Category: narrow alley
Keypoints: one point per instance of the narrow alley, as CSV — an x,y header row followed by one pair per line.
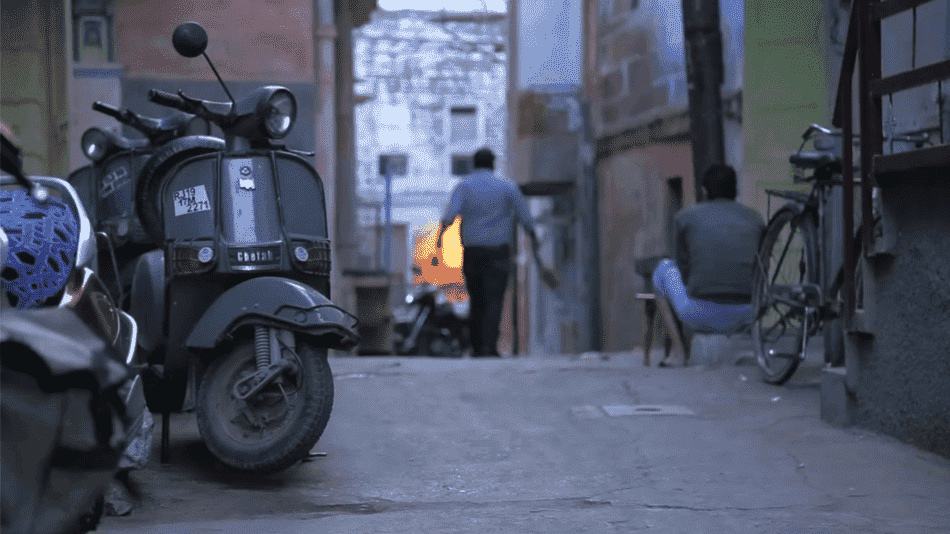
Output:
x,y
555,444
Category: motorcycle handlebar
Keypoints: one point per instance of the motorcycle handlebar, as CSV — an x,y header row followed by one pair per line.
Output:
x,y
171,100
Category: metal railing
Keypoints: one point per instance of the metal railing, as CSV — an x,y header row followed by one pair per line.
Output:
x,y
863,50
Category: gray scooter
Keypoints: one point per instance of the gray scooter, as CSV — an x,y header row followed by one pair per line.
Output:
x,y
236,304
108,184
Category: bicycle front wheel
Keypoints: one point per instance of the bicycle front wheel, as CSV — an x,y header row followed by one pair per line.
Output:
x,y
786,267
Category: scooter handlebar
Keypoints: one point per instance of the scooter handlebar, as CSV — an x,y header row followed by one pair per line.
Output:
x,y
106,109
171,100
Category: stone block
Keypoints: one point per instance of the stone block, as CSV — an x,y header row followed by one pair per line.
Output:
x,y
837,404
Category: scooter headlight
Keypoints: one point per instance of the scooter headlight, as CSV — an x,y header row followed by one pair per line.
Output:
x,y
280,111
96,144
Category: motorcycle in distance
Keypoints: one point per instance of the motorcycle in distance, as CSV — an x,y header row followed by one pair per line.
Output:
x,y
429,324
107,185
241,303
73,402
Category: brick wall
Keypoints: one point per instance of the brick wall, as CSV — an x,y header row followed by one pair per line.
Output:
x,y
247,39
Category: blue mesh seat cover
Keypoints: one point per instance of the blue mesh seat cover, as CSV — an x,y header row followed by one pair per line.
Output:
x,y
44,238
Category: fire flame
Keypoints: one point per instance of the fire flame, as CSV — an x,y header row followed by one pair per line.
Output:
x,y
440,267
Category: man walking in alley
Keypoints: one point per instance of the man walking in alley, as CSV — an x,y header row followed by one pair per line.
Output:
x,y
489,207
709,285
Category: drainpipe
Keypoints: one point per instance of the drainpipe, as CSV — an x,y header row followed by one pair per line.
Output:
x,y
325,43
704,77
346,206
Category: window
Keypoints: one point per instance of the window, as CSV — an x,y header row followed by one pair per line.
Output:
x,y
464,124
461,164
93,34
394,164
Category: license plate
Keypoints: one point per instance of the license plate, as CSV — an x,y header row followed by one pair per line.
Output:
x,y
191,200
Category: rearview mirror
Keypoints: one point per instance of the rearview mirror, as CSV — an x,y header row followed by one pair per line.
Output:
x,y
190,39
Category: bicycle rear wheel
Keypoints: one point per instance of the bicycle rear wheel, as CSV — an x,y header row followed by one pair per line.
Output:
x,y
786,269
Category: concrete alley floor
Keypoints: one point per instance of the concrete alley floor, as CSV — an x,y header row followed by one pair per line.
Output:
x,y
553,444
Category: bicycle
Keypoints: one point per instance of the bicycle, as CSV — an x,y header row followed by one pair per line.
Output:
x,y
795,296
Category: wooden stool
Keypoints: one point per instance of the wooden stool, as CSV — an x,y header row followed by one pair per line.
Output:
x,y
673,334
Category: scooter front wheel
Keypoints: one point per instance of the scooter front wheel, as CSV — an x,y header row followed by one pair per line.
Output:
x,y
274,428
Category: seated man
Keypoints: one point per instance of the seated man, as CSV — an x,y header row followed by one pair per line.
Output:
x,y
709,285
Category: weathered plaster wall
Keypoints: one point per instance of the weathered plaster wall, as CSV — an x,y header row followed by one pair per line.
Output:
x,y
633,212
786,87
640,121
901,376
33,82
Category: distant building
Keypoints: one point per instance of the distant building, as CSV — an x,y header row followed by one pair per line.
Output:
x,y
430,88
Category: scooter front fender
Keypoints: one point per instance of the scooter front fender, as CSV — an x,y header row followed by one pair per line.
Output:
x,y
278,302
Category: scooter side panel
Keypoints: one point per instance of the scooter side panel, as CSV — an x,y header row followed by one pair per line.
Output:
x,y
189,200
302,197
148,298
116,195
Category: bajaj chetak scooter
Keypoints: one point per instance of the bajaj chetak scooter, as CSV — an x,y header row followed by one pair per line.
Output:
x,y
242,296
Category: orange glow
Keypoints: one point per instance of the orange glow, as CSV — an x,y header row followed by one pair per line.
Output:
x,y
447,271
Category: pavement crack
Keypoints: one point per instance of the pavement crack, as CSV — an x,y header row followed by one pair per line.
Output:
x,y
712,508
380,506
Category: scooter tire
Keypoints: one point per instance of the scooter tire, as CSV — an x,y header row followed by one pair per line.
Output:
x,y
294,440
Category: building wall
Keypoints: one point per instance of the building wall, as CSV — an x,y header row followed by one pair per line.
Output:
x,y
897,365
639,107
787,87
898,376
33,84
635,210
247,39
412,68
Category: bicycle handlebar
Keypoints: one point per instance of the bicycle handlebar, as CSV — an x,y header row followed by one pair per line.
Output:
x,y
919,139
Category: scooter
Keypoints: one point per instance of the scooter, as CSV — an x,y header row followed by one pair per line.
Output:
x,y
107,185
430,324
62,331
236,304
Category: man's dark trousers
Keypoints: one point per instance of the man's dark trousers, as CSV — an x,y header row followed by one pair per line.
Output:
x,y
486,272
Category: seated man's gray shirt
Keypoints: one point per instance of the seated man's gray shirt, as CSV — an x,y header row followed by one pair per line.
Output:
x,y
489,207
716,244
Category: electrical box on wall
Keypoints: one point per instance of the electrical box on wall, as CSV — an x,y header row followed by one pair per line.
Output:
x,y
546,148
